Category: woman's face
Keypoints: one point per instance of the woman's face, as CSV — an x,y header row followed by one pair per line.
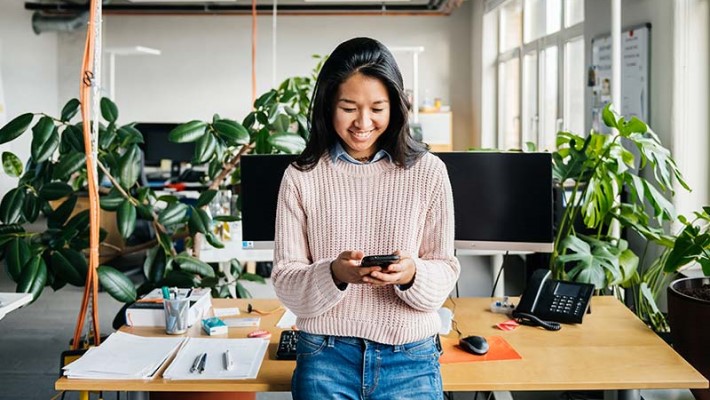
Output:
x,y
362,114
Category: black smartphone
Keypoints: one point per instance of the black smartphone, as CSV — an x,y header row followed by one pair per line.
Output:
x,y
381,260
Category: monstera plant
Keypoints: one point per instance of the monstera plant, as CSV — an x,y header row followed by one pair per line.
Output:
x,y
51,181
605,183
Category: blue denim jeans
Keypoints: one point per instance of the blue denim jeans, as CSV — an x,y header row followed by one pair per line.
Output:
x,y
334,367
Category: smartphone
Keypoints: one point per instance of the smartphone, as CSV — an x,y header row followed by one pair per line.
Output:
x,y
381,260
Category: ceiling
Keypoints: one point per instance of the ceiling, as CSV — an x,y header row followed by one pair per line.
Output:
x,y
245,6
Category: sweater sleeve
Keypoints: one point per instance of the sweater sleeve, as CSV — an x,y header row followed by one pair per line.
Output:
x,y
437,267
303,285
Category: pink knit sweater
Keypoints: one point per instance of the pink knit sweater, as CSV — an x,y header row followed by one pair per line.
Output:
x,y
377,208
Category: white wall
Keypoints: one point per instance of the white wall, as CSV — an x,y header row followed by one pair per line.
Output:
x,y
28,69
205,66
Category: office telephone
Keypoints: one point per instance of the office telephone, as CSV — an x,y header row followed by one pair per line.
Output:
x,y
546,302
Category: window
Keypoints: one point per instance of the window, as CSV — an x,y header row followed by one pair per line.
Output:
x,y
539,63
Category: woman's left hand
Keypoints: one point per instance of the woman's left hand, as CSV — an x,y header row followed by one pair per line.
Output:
x,y
400,273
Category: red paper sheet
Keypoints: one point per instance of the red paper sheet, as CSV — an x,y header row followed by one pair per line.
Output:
x,y
499,349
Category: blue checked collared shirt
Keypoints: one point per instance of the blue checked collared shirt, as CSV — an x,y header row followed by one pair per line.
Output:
x,y
338,152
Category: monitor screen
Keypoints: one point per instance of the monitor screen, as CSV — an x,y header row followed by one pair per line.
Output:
x,y
157,147
261,179
502,201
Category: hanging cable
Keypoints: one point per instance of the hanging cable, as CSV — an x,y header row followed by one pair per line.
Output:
x,y
90,73
253,51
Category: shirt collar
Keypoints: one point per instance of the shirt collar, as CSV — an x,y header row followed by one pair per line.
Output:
x,y
338,152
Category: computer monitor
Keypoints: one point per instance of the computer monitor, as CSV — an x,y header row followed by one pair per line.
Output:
x,y
260,182
157,147
502,201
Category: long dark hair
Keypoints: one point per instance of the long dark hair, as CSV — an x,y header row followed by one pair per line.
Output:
x,y
372,59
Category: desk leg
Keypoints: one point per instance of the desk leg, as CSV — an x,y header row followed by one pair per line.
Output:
x,y
497,264
632,394
137,395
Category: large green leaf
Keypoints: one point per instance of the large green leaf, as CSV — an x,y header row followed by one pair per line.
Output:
x,y
109,110
70,109
188,132
11,205
116,284
287,142
107,136
154,266
33,278
15,128
30,210
11,164
45,139
205,198
111,202
18,253
71,265
126,218
68,164
129,134
265,99
130,167
214,241
204,148
231,132
72,140
173,214
55,191
196,223
59,216
590,264
193,265
252,277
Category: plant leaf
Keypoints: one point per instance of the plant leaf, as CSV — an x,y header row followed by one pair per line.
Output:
x,y
205,198
68,164
232,132
71,265
173,214
15,128
204,148
126,218
188,132
30,210
70,109
130,166
154,266
287,142
34,277
11,164
193,265
108,109
213,241
55,191
45,139
18,253
11,205
116,284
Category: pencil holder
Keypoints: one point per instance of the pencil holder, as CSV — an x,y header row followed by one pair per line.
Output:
x,y
176,312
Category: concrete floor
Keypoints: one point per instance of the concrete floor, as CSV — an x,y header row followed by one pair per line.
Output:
x,y
32,338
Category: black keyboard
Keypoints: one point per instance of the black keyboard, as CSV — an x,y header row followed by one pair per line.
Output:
x,y
287,345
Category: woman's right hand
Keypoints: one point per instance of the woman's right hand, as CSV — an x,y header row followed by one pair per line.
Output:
x,y
346,268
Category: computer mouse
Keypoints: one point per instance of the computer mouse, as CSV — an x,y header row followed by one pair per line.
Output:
x,y
474,345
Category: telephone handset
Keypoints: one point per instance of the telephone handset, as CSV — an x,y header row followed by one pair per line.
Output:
x,y
546,302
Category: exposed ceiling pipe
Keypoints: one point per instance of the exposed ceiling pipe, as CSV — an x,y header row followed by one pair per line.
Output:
x,y
58,23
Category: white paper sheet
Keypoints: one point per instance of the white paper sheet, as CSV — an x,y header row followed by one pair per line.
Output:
x,y
287,321
247,355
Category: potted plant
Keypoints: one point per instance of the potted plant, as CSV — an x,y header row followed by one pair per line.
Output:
x,y
605,184
689,298
51,180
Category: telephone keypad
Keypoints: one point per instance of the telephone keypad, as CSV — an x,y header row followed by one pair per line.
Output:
x,y
566,305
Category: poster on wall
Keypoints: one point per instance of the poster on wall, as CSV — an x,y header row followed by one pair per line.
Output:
x,y
634,75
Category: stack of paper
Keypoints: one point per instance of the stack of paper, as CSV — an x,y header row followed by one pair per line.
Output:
x,y
246,355
124,356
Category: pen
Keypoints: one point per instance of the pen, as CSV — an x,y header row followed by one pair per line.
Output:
x,y
196,363
166,293
201,368
228,363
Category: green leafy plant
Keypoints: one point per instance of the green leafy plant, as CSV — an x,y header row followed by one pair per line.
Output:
x,y
51,181
593,172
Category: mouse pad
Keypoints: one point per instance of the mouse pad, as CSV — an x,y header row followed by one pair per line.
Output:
x,y
499,349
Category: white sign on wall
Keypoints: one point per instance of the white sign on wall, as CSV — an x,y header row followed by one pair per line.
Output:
x,y
634,75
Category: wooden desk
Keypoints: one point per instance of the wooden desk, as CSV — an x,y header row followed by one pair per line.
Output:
x,y
612,350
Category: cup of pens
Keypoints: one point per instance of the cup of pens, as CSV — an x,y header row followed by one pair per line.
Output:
x,y
176,311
